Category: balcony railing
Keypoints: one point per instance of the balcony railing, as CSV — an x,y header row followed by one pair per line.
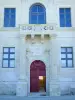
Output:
x,y
29,28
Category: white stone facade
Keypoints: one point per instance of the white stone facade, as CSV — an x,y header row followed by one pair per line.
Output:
x,y
37,44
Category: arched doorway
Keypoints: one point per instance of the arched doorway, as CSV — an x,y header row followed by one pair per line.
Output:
x,y
37,76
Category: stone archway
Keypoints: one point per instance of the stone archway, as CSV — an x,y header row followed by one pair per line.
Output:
x,y
37,76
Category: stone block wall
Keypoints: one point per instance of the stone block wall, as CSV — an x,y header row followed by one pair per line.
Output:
x,y
7,88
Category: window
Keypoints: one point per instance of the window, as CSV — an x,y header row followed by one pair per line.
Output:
x,y
9,17
67,57
37,14
65,17
8,57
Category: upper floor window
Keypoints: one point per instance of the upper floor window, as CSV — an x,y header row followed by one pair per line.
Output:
x,y
67,57
8,57
9,17
37,14
65,17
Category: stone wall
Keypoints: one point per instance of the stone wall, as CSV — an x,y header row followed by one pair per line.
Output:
x,y
7,88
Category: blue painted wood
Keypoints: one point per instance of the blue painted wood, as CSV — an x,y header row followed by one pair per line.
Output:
x,y
8,59
65,17
37,14
9,17
66,52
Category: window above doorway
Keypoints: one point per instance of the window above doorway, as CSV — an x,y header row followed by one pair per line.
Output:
x,y
37,14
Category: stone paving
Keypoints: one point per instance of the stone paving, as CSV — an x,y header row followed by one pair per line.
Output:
x,y
37,98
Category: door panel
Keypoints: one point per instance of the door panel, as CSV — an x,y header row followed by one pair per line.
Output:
x,y
37,69
34,85
33,73
42,73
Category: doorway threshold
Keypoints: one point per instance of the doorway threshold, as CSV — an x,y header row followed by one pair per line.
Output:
x,y
35,94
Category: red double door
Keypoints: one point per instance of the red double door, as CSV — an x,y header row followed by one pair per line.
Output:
x,y
37,69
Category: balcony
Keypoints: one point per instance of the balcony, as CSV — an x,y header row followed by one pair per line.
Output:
x,y
37,28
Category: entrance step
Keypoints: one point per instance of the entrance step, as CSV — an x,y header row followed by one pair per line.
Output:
x,y
37,94
37,98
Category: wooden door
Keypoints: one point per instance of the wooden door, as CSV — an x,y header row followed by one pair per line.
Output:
x,y
37,69
34,81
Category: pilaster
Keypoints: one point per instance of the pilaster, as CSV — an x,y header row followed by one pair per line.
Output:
x,y
54,67
22,81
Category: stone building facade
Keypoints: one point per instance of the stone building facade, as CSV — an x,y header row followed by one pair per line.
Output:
x,y
37,49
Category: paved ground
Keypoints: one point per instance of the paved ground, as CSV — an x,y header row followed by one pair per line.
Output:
x,y
37,98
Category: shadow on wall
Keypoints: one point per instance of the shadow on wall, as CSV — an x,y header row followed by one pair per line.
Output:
x,y
7,88
68,91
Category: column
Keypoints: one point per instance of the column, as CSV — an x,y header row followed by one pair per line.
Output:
x,y
54,67
42,38
22,81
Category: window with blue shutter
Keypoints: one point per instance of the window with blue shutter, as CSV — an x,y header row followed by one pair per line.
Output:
x,y
9,17
37,14
65,17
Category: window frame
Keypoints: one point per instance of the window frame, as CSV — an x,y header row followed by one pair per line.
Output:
x,y
8,59
31,13
11,15
65,19
67,59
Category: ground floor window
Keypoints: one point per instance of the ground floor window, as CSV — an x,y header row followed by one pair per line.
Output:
x,y
8,57
67,57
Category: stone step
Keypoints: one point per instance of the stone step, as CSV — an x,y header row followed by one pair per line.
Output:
x,y
37,98
37,94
